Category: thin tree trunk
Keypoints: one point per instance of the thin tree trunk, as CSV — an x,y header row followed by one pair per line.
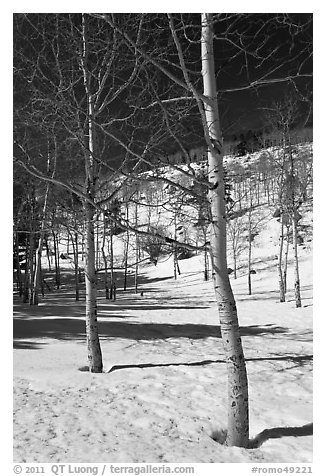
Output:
x,y
297,293
56,259
98,250
31,268
286,255
19,274
175,257
249,270
37,274
280,261
47,252
83,242
31,253
206,270
126,251
105,261
249,243
235,265
137,249
206,260
112,280
238,407
74,243
41,281
26,276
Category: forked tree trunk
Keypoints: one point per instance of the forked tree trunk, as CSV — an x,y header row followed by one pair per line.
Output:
x,y
238,407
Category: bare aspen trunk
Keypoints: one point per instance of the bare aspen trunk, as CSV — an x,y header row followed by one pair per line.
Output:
x,y
206,266
280,262
137,250
31,258
175,257
112,283
98,258
74,243
126,251
37,274
76,262
83,243
48,253
105,261
19,274
249,254
26,276
297,293
93,342
286,255
250,238
238,407
235,264
56,259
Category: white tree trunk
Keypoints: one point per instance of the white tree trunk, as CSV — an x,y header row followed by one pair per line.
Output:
x,y
37,273
93,342
238,411
136,248
297,293
280,261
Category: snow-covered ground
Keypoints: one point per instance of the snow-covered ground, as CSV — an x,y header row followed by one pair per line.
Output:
x,y
163,394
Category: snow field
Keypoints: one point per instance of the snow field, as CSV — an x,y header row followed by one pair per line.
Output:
x,y
166,392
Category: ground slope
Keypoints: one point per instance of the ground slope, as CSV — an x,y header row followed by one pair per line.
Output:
x,y
164,390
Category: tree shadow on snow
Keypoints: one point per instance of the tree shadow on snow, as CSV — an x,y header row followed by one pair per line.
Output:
x,y
67,329
269,295
21,344
280,432
301,359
